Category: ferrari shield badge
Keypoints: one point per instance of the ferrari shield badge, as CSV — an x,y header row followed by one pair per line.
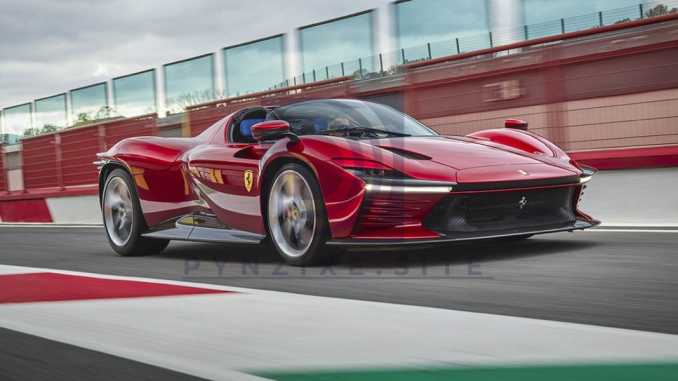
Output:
x,y
249,177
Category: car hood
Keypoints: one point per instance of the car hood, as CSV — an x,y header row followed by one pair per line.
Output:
x,y
475,161
455,153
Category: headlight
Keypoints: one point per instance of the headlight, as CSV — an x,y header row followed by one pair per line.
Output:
x,y
382,179
367,169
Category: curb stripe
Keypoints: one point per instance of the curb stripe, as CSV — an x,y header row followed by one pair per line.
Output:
x,y
51,287
33,210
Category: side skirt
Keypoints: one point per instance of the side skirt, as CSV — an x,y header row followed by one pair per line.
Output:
x,y
201,227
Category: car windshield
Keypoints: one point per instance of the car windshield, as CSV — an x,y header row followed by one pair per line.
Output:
x,y
348,118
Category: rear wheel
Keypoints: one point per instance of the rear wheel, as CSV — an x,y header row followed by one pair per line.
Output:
x,y
296,218
123,219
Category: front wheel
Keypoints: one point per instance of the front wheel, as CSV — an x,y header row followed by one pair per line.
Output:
x,y
123,219
297,220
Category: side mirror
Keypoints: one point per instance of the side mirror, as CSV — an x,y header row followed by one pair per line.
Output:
x,y
516,123
272,129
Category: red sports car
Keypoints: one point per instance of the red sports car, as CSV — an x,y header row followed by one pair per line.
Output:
x,y
315,177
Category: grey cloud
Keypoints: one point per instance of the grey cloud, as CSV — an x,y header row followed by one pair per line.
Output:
x,y
48,47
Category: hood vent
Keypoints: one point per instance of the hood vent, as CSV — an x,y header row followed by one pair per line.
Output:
x,y
406,154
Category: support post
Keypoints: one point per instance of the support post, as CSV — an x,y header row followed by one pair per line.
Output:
x,y
381,65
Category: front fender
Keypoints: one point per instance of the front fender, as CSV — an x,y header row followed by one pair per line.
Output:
x,y
342,192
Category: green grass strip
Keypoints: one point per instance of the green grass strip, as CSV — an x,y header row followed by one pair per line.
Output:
x,y
612,372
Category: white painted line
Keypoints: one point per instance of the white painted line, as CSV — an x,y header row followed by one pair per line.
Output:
x,y
638,225
216,336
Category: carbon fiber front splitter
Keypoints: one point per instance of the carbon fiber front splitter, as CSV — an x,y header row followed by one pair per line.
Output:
x,y
447,238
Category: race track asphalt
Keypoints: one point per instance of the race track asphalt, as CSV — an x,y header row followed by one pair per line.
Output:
x,y
615,279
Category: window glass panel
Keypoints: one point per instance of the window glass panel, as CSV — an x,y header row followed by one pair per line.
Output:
x,y
325,46
188,83
16,121
88,103
135,94
50,113
544,11
440,22
253,67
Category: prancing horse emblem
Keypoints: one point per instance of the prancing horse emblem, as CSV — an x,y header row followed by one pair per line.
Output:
x,y
522,202
249,176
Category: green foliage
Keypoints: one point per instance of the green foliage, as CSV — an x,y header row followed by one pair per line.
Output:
x,y
623,20
178,104
660,10
8,138
35,131
82,119
104,113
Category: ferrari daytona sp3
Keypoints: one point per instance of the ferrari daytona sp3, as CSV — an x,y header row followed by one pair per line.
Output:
x,y
316,177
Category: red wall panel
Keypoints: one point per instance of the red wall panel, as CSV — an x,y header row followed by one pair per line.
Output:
x,y
3,173
39,162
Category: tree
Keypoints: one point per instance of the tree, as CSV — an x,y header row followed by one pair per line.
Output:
x,y
30,132
660,10
179,103
35,131
358,74
105,112
49,127
82,119
623,20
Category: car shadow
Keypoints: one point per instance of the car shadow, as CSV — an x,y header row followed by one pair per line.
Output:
x,y
462,253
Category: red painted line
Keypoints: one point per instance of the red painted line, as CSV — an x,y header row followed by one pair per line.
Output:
x,y
51,287
33,210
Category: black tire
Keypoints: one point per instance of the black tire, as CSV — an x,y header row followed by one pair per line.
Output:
x,y
317,253
135,244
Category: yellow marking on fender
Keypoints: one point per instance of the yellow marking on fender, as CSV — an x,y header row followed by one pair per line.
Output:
x,y
217,173
139,177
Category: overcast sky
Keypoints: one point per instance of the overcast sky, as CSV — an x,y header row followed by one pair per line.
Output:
x,y
51,46
48,47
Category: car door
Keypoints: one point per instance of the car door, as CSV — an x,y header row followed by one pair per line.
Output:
x,y
227,174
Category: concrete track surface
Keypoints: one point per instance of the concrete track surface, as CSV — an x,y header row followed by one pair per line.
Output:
x,y
610,278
